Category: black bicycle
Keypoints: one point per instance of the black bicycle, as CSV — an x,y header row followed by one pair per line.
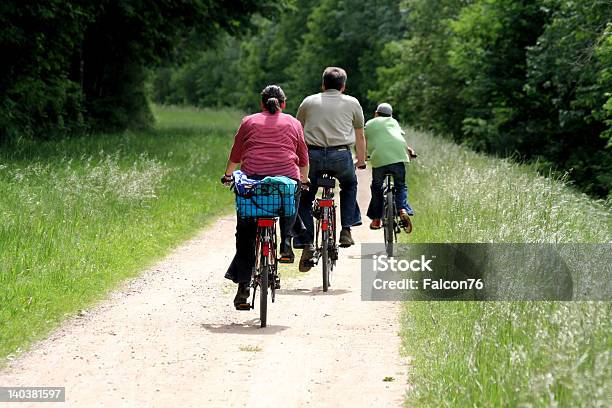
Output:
x,y
324,211
391,220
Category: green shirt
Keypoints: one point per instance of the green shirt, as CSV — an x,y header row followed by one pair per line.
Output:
x,y
386,142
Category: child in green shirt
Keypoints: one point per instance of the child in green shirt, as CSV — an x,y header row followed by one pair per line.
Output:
x,y
388,152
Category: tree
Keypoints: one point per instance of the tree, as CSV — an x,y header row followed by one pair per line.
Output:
x,y
568,77
414,74
82,63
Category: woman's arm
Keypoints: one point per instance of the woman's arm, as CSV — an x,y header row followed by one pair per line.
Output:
x,y
235,156
230,167
304,173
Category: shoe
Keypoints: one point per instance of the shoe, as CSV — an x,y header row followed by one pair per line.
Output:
x,y
346,240
286,254
406,223
306,260
241,301
376,224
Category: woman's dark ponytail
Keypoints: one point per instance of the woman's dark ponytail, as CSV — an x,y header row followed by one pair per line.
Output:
x,y
272,97
272,105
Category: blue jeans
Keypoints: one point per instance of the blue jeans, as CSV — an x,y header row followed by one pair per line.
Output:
x,y
340,162
398,170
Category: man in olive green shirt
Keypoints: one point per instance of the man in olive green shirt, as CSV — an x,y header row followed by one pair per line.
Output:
x,y
388,152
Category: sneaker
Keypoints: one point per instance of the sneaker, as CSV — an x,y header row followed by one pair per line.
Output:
x,y
306,260
346,240
376,224
241,301
286,254
406,223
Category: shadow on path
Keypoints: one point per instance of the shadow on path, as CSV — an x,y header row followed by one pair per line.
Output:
x,y
248,327
318,291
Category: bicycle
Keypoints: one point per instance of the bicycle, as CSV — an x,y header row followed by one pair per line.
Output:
x,y
266,212
324,211
391,220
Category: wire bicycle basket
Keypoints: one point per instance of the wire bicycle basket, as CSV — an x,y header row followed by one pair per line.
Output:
x,y
273,196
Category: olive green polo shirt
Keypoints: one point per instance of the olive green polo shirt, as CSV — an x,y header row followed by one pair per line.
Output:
x,y
386,142
329,118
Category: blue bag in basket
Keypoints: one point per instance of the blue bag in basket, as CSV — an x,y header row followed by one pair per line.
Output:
x,y
272,196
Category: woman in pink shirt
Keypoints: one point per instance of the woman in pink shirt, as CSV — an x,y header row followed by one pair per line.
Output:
x,y
268,143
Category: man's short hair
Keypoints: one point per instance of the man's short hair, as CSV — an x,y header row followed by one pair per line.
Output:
x,y
334,78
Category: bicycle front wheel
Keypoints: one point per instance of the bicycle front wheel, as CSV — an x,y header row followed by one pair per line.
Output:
x,y
389,223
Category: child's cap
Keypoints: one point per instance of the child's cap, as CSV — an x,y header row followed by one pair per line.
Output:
x,y
385,109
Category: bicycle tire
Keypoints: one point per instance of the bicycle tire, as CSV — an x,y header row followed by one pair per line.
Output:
x,y
263,296
389,222
325,251
274,268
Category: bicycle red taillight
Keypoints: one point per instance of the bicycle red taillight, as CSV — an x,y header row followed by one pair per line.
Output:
x,y
265,222
326,203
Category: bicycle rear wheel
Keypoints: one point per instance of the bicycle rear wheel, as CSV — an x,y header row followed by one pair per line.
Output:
x,y
389,222
326,261
263,295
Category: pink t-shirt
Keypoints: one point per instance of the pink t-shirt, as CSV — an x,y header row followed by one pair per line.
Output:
x,y
270,145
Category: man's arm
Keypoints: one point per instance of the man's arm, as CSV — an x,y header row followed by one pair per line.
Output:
x,y
302,153
360,147
360,142
301,113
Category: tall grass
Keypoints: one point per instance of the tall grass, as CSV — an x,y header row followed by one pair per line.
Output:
x,y
484,354
79,215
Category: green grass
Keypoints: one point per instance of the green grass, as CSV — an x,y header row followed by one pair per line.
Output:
x,y
485,354
79,215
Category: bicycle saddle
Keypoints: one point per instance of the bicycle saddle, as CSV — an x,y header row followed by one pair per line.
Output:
x,y
329,173
325,178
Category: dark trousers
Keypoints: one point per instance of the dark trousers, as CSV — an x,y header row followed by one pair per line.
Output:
x,y
240,269
398,170
340,162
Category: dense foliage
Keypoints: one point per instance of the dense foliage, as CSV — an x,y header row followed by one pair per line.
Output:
x,y
529,79
69,65
292,52
513,77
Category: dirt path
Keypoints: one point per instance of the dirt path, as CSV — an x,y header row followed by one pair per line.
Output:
x,y
171,339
